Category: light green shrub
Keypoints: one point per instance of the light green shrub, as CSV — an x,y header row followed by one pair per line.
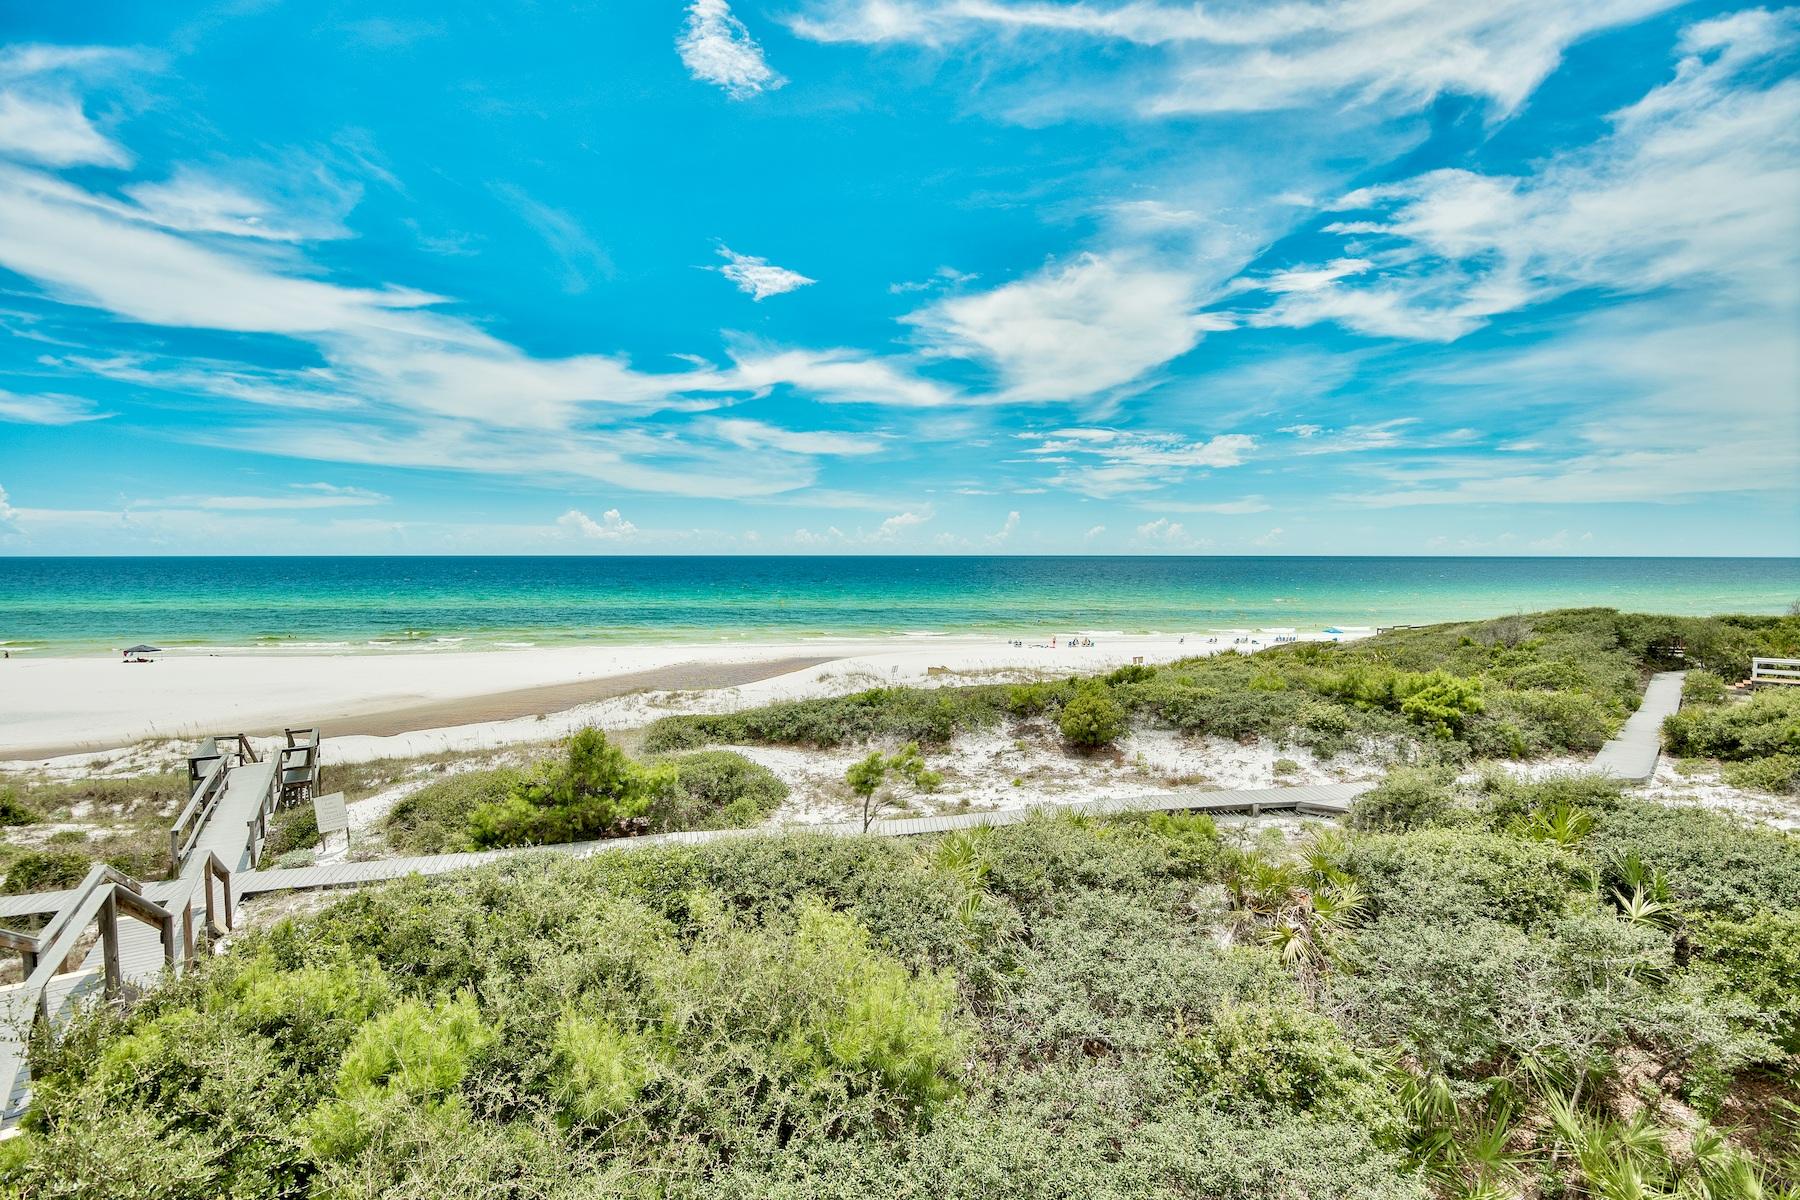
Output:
x,y
412,1056
1287,1058
600,1068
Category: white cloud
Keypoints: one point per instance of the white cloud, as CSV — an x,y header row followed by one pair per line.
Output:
x,y
54,131
716,48
753,435
758,278
611,527
1164,534
1006,530
1694,186
1104,463
8,514
1072,332
1268,539
1249,504
898,524
301,496
46,409
1384,54
806,537
193,201
579,258
840,377
1093,533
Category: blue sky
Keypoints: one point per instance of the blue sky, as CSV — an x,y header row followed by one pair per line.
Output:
x,y
900,276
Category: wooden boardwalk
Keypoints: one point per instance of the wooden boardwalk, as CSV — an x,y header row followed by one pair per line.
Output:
x,y
1323,800
1632,754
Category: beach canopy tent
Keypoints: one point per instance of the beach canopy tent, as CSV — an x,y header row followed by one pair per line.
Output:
x,y
136,653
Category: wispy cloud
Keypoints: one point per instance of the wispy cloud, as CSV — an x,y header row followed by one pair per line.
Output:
x,y
580,259
1258,58
1695,185
300,496
46,409
716,48
758,278
752,435
1105,463
41,116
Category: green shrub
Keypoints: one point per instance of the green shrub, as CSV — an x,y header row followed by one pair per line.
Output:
x,y
46,870
600,1068
1092,718
1452,875
716,789
1767,723
1702,687
413,1056
290,829
435,818
1130,673
1407,798
1190,839
1287,1058
1760,957
1778,773
594,791
1711,862
14,811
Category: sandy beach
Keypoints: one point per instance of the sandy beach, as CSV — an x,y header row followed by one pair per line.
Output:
x,y
56,706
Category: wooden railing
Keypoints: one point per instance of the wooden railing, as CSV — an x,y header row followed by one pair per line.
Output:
x,y
1774,670
103,895
192,819
298,765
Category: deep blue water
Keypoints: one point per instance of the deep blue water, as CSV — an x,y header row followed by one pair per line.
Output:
x,y
90,604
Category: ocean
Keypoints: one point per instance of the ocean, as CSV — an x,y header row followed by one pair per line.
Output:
x,y
349,605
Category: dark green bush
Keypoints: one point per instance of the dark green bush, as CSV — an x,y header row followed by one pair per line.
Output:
x,y
435,818
1768,723
14,811
1409,798
295,828
1092,718
716,789
1289,1059
594,791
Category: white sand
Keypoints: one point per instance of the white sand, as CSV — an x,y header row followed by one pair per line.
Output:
x,y
94,701
105,702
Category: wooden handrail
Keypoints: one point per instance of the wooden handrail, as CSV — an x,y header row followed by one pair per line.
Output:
x,y
106,899
186,829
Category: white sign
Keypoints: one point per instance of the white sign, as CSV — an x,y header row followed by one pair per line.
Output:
x,y
328,811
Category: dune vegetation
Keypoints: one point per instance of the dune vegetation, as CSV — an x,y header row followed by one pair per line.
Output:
x,y
1493,988
1518,687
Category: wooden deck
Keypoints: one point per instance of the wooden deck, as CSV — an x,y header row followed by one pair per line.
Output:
x,y
1632,754
1325,800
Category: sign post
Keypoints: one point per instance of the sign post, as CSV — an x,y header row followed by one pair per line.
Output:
x,y
328,812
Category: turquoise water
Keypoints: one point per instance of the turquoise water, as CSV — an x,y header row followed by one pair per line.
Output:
x,y
82,605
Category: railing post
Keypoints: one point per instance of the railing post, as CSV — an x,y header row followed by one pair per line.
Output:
x,y
109,938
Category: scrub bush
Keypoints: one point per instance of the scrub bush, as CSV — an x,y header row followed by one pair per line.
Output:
x,y
594,791
1092,718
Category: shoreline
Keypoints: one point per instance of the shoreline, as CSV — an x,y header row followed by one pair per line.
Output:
x,y
57,707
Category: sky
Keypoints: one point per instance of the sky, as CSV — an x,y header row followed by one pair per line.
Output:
x,y
900,277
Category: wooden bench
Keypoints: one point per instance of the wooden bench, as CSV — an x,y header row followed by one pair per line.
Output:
x,y
1774,671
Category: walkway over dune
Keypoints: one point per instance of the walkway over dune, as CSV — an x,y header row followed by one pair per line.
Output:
x,y
217,838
